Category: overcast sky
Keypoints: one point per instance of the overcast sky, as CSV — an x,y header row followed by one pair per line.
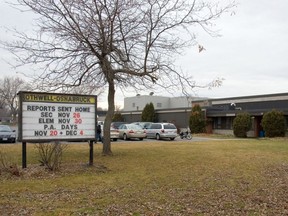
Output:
x,y
251,55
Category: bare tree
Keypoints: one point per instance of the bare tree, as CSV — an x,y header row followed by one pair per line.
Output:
x,y
87,88
9,87
113,43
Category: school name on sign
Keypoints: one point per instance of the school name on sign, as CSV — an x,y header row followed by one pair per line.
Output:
x,y
58,117
58,98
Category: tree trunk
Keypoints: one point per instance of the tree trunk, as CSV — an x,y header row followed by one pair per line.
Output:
x,y
107,123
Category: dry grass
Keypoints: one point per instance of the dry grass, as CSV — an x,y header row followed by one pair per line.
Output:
x,y
241,177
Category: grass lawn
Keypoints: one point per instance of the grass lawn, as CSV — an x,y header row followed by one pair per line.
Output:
x,y
238,177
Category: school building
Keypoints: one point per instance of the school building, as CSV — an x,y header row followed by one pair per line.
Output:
x,y
219,112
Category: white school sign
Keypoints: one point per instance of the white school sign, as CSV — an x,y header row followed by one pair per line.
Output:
x,y
49,116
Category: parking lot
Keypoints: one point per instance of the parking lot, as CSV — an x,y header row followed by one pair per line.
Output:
x,y
177,139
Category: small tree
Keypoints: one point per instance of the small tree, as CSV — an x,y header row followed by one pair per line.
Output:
x,y
148,113
197,121
242,124
274,124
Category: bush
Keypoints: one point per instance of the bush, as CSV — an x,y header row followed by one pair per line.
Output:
x,y
242,124
51,154
7,165
197,121
274,124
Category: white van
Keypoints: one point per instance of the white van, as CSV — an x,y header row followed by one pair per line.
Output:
x,y
162,130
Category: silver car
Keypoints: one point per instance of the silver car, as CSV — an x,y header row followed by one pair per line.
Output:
x,y
128,131
7,134
162,130
114,134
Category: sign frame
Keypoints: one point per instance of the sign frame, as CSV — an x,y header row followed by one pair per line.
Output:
x,y
27,98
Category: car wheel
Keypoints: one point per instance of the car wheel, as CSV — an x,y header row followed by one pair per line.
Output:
x,y
158,136
140,138
172,138
125,137
114,139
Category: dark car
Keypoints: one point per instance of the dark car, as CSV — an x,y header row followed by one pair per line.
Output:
x,y
7,134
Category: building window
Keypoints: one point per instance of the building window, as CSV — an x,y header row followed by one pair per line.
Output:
x,y
229,123
217,123
159,105
223,123
133,105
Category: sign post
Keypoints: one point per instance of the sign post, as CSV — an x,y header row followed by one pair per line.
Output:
x,y
46,117
91,153
24,155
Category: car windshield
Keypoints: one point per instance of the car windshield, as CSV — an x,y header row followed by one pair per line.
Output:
x,y
134,127
116,124
4,128
123,126
143,124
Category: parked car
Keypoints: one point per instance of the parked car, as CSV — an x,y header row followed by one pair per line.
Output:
x,y
114,134
144,125
128,131
162,130
114,130
7,134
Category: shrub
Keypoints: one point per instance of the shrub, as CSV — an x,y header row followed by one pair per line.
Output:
x,y
242,124
51,154
7,166
274,124
197,121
